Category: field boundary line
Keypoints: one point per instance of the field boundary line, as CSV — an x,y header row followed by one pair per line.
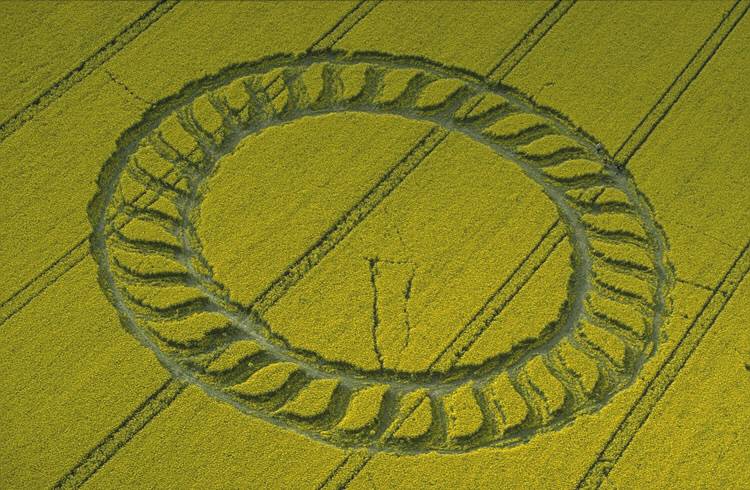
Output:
x,y
530,39
121,435
85,68
680,84
653,392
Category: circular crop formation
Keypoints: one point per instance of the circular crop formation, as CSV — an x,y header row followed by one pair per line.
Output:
x,y
153,270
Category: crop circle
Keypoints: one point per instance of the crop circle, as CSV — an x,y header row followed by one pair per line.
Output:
x,y
152,268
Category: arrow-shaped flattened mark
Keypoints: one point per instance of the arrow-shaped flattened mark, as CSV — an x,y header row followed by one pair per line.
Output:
x,y
391,286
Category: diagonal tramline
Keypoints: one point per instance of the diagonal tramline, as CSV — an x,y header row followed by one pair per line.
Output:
x,y
349,221
85,68
681,83
502,296
659,384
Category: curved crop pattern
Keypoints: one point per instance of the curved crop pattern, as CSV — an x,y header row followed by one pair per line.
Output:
x,y
152,268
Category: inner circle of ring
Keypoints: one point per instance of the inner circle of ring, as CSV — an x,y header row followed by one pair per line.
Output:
x,y
433,379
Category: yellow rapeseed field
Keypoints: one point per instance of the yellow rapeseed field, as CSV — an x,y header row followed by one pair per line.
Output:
x,y
375,244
